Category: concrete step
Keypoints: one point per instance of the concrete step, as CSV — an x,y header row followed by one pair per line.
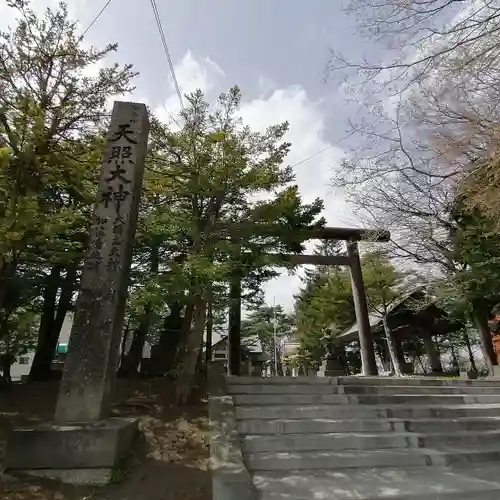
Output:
x,y
326,442
326,425
417,389
424,399
231,380
313,425
370,390
363,381
358,412
387,400
294,399
415,381
340,441
436,483
358,459
281,388
438,425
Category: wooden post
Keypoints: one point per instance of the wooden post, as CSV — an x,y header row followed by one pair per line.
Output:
x,y
235,324
360,305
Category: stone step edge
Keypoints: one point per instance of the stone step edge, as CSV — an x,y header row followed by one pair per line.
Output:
x,y
351,399
394,389
446,495
388,419
325,406
395,426
428,453
402,434
364,381
402,391
476,489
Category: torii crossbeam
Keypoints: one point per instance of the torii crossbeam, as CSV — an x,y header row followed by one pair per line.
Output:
x,y
351,259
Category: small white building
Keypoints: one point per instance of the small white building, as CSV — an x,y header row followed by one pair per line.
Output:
x,y
23,365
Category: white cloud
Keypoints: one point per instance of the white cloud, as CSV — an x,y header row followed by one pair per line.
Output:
x,y
76,8
192,74
195,74
266,85
307,134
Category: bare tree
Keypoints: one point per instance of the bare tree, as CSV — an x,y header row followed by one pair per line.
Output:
x,y
409,184
395,182
428,125
421,37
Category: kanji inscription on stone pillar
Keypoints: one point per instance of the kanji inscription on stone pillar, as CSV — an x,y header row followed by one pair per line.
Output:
x,y
92,359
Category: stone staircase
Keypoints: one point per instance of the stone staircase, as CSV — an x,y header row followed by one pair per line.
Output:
x,y
359,438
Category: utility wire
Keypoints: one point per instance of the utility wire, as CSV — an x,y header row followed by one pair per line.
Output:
x,y
322,150
167,51
106,5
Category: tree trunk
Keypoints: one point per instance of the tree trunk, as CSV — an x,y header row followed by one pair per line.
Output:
x,y
279,364
398,346
6,361
191,353
123,350
392,348
234,333
381,350
182,346
47,336
7,272
433,354
132,361
164,354
419,359
472,361
454,361
481,316
210,325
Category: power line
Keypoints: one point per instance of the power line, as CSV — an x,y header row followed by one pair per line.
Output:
x,y
312,156
106,5
322,150
167,51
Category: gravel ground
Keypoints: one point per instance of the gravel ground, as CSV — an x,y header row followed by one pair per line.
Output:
x,y
170,461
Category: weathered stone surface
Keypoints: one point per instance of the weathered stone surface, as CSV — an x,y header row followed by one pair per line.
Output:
x,y
437,483
65,447
216,377
496,372
331,367
82,447
392,438
230,477
94,343
81,477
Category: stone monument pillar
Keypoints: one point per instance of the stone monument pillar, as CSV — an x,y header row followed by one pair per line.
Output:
x,y
82,438
97,328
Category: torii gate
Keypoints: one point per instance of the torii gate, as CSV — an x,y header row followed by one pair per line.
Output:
x,y
351,236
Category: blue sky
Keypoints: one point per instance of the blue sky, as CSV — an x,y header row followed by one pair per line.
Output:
x,y
275,51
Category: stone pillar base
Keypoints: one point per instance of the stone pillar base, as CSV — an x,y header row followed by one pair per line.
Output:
x,y
496,373
73,453
468,375
331,368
